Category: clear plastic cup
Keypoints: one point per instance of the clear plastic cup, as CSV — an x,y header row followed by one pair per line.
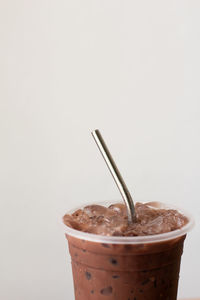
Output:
x,y
127,268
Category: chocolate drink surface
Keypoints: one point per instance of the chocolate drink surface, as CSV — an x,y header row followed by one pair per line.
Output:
x,y
113,220
114,260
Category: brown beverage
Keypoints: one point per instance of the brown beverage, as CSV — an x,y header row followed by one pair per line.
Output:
x,y
114,260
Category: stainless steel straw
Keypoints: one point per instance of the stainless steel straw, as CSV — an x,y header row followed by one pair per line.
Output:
x,y
116,174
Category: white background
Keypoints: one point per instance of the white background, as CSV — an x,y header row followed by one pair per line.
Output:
x,y
130,68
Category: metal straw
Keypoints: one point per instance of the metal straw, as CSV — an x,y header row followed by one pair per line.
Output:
x,y
116,174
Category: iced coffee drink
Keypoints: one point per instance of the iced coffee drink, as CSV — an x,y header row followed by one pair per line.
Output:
x,y
114,259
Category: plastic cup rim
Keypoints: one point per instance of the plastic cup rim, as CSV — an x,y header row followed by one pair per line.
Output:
x,y
133,239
